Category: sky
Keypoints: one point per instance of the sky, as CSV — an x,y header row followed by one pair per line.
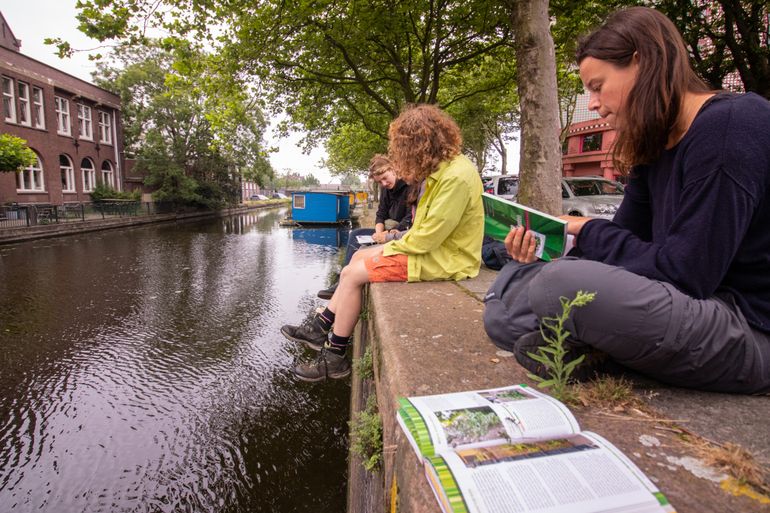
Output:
x,y
34,20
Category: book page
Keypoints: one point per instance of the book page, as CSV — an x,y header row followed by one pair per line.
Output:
x,y
578,474
365,239
485,418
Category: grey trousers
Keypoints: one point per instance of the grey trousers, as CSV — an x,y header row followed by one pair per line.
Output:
x,y
653,328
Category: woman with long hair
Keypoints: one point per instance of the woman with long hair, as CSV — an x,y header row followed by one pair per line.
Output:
x,y
682,273
444,242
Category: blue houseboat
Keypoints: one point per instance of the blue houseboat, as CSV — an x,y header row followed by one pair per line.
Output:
x,y
320,207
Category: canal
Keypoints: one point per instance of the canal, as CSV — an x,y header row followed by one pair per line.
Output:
x,y
143,370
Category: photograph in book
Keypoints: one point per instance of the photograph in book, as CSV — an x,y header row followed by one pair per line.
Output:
x,y
501,216
515,449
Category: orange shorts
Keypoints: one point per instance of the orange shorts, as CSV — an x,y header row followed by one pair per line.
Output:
x,y
387,268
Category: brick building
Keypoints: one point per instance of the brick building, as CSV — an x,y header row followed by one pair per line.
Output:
x,y
586,150
73,126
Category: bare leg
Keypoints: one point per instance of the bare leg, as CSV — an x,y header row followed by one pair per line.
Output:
x,y
346,301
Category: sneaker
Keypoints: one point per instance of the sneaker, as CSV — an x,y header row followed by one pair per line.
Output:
x,y
310,333
328,293
595,362
327,365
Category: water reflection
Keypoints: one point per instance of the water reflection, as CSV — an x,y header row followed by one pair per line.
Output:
x,y
143,371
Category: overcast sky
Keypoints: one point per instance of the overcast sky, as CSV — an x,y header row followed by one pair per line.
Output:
x,y
34,20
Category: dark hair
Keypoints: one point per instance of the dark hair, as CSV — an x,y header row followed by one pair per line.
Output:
x,y
378,165
653,105
420,138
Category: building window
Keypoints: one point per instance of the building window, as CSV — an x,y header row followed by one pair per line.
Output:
x,y
30,179
299,201
105,128
592,142
9,100
89,175
67,174
25,112
62,115
38,112
108,176
85,126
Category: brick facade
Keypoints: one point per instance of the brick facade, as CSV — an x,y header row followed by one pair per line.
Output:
x,y
31,88
587,150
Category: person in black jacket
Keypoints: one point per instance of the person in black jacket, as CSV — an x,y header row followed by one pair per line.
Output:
x,y
394,214
682,273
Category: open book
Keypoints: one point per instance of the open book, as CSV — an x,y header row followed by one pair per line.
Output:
x,y
513,450
501,215
365,240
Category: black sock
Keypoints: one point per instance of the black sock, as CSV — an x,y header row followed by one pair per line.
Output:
x,y
338,345
326,318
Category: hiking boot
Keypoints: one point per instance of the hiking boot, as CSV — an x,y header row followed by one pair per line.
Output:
x,y
328,293
311,333
595,362
327,365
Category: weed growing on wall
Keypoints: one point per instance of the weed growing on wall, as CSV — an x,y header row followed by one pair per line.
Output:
x,y
366,435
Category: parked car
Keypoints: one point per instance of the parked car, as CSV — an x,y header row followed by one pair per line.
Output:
x,y
279,195
505,186
591,196
258,197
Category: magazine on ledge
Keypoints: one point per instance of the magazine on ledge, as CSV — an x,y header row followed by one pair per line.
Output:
x,y
515,449
501,215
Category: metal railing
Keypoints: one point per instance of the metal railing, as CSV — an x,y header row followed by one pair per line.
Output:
x,y
15,215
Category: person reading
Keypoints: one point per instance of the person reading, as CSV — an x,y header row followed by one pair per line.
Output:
x,y
444,242
682,273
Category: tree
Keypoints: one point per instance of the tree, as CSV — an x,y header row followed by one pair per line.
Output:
x,y
15,154
724,36
193,144
540,164
337,68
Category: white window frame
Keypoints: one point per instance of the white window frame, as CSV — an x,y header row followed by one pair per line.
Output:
x,y
68,174
108,175
62,116
298,201
38,108
105,127
85,123
32,175
25,110
88,175
9,100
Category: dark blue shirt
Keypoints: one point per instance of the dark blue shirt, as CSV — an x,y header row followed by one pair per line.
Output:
x,y
699,217
393,206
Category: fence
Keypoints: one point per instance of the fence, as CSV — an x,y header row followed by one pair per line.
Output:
x,y
12,216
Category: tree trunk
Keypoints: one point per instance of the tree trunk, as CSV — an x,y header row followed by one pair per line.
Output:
x,y
540,166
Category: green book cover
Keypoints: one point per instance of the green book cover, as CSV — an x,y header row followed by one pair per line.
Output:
x,y
501,215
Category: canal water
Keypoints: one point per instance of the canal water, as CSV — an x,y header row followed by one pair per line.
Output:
x,y
143,370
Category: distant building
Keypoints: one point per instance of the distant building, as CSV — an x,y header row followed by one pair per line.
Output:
x,y
587,148
73,127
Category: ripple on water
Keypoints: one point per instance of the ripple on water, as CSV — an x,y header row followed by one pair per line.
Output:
x,y
167,389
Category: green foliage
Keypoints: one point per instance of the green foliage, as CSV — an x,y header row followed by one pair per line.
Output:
x,y
552,354
338,69
15,154
104,192
364,366
366,435
193,131
472,424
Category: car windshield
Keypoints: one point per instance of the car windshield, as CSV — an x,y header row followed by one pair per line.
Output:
x,y
508,186
594,187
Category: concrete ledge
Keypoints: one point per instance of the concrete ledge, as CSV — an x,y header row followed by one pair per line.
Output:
x,y
429,338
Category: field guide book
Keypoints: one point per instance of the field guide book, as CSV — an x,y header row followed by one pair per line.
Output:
x,y
501,215
365,240
517,450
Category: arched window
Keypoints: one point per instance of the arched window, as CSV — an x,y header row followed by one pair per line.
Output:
x,y
89,175
108,176
67,174
31,178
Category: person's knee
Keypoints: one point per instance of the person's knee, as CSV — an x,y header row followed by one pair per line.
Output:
x,y
560,278
354,274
